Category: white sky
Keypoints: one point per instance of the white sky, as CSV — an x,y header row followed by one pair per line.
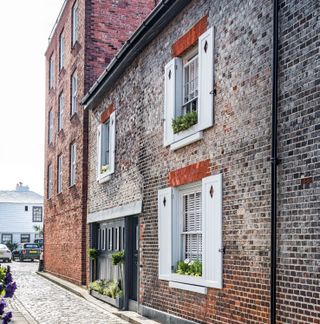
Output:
x,y
24,29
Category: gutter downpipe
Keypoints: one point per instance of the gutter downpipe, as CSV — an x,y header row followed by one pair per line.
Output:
x,y
274,164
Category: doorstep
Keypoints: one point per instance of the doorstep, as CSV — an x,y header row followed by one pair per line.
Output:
x,y
131,317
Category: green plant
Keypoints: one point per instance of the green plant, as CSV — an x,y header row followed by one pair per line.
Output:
x,y
118,258
93,253
190,268
11,246
38,229
3,272
113,289
184,122
110,288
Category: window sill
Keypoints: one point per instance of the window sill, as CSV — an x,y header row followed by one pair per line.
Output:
x,y
104,178
189,139
182,286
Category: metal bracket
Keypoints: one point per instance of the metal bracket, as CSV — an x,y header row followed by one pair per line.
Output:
x,y
223,250
213,92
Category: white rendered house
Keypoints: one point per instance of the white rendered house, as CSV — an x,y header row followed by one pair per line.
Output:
x,y
20,210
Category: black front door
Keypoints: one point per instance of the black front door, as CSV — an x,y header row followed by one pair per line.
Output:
x,y
132,248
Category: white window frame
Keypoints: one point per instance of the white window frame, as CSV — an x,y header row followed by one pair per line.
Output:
x,y
61,109
103,176
73,164
61,50
110,239
59,174
75,20
37,214
173,94
74,93
50,182
50,127
170,222
51,72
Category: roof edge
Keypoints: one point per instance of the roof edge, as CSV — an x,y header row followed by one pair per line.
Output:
x,y
163,13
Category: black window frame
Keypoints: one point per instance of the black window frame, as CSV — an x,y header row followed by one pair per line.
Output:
x,y
34,217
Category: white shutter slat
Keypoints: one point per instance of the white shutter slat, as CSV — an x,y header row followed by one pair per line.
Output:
x,y
206,76
99,134
212,220
165,233
172,97
112,140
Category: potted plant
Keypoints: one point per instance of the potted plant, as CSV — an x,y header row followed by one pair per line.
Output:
x,y
108,291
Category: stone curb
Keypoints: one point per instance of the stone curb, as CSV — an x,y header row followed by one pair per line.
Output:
x,y
128,316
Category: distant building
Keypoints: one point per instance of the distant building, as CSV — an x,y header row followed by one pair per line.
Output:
x,y
20,211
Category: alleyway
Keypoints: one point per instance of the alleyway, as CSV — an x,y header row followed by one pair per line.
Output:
x,y
49,303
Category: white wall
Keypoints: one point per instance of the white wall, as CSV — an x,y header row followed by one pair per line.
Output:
x,y
15,220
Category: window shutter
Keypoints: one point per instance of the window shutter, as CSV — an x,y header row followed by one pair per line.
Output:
x,y
165,232
206,74
212,229
112,140
172,96
99,134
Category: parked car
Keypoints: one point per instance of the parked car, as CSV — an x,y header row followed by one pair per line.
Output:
x,y
40,242
26,251
5,253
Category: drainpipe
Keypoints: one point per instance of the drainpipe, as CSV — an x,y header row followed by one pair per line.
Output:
x,y
274,163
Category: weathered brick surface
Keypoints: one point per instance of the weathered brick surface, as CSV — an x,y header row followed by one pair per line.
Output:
x,y
299,170
101,33
238,145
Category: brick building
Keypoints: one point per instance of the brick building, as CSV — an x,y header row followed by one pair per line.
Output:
x,y
183,139
85,38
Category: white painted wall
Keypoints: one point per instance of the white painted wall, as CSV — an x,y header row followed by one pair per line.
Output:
x,y
16,221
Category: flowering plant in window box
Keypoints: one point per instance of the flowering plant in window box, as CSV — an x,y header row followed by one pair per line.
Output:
x,y
108,291
105,168
189,268
184,122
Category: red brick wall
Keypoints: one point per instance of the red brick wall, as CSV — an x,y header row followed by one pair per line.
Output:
x,y
103,27
110,24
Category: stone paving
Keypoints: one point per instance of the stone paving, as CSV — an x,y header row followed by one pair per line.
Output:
x,y
48,303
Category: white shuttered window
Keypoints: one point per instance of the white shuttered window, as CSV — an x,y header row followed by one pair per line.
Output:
x,y
190,229
189,82
106,149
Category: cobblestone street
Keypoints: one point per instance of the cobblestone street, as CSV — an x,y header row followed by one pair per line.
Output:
x,y
46,302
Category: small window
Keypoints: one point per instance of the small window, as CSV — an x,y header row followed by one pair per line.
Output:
x,y
24,238
26,208
74,92
188,99
59,174
110,239
61,108
116,239
51,72
50,182
106,147
75,14
37,214
190,83
61,51
6,238
50,127
73,163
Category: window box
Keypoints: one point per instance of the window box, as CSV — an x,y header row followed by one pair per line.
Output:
x,y
188,90
116,302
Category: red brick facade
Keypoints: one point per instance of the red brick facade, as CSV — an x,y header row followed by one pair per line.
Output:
x,y
103,27
190,38
190,173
